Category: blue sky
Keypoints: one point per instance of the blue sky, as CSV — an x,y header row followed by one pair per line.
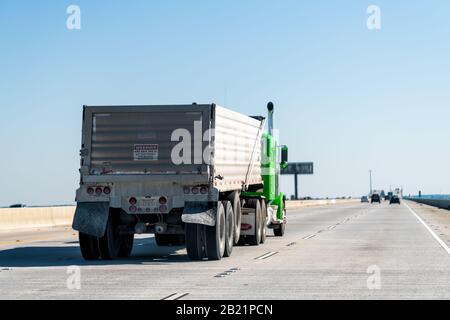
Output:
x,y
347,98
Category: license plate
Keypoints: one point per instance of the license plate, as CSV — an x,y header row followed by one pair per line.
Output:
x,y
149,203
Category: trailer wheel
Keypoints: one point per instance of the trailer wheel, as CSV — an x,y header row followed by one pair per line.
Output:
x,y
229,228
89,246
169,239
195,237
255,239
111,242
236,202
263,220
215,236
126,245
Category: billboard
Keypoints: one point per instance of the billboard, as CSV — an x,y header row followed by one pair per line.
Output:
x,y
299,168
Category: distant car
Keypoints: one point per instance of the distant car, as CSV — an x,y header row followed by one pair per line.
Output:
x,y
394,199
365,199
17,206
375,198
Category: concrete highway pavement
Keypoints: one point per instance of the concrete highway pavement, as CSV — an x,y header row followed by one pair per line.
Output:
x,y
351,251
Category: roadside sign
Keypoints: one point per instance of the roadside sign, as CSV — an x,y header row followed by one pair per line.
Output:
x,y
299,168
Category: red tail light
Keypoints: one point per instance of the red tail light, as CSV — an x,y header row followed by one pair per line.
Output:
x,y
98,191
195,190
203,190
186,190
106,190
133,209
90,190
162,208
163,200
245,226
132,201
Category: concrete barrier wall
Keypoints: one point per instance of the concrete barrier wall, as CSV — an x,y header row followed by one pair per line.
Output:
x,y
439,203
47,217
29,218
313,203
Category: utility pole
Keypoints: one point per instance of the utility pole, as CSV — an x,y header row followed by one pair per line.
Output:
x,y
370,177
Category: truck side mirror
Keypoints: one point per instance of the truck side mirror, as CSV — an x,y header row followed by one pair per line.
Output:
x,y
284,157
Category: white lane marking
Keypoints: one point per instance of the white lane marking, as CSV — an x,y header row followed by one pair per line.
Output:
x,y
221,275
439,240
267,255
176,296
331,227
309,237
227,273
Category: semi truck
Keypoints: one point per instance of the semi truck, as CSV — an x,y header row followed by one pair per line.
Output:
x,y
197,175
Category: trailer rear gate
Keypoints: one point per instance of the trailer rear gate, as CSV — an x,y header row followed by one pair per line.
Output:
x,y
136,140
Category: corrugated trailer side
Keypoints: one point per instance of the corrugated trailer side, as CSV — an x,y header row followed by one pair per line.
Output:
x,y
237,150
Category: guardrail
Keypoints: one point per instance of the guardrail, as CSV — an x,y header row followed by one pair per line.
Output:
x,y
438,203
48,217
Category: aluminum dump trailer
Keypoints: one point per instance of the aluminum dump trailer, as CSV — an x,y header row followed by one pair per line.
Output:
x,y
178,171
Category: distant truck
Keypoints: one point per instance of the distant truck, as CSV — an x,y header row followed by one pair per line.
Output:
x,y
202,176
388,196
375,198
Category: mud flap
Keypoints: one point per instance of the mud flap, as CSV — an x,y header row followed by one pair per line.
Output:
x,y
248,223
199,213
91,218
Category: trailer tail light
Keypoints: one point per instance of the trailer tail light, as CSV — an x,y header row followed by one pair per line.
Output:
x,y
163,200
186,190
133,209
90,191
98,191
132,201
195,190
107,190
203,190
162,208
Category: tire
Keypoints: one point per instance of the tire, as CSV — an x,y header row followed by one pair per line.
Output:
x,y
89,246
169,240
195,237
255,239
236,202
126,245
229,228
215,236
263,221
242,241
111,242
279,232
